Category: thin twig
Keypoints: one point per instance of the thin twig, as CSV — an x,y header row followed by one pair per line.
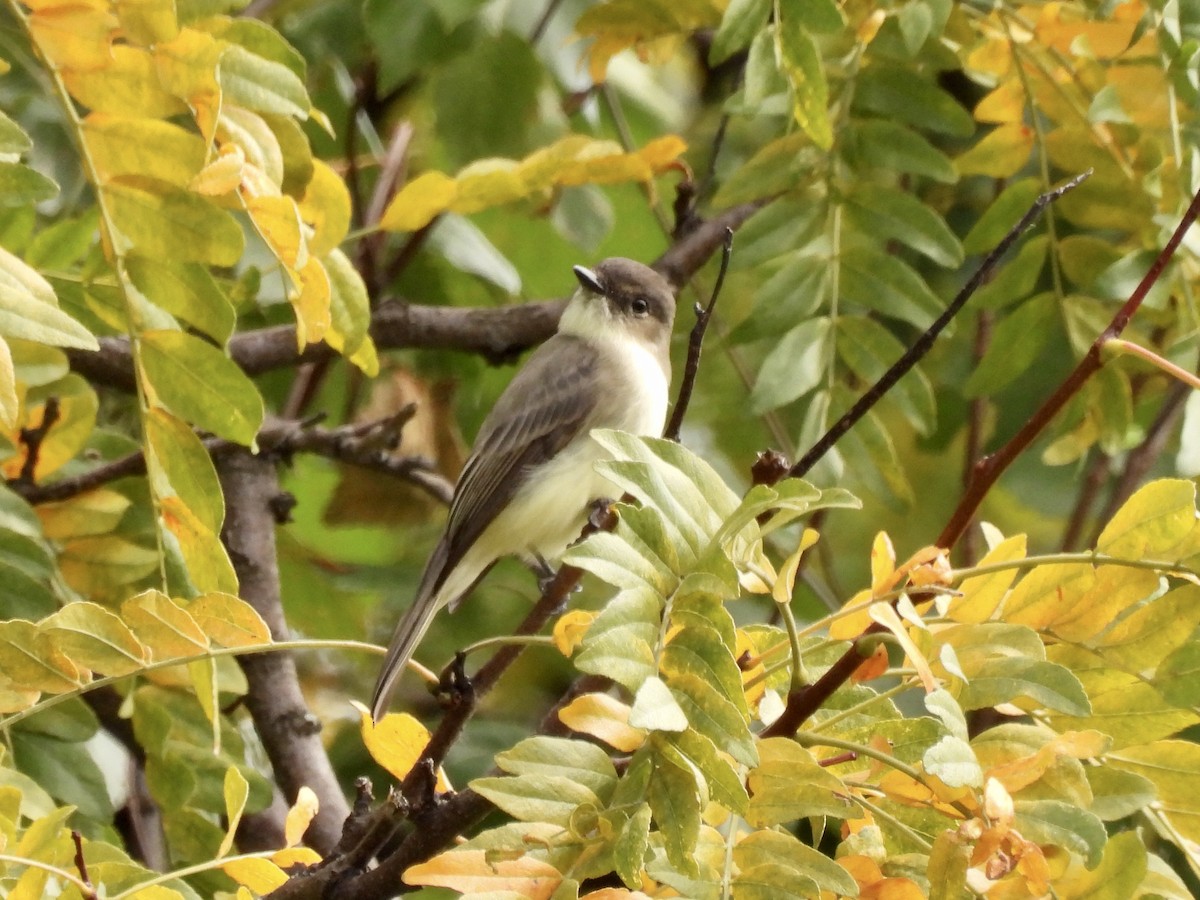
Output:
x,y
696,344
81,865
924,343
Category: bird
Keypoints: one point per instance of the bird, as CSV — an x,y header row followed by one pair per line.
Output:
x,y
527,485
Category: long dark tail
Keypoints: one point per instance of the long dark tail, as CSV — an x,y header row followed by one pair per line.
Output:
x,y
410,630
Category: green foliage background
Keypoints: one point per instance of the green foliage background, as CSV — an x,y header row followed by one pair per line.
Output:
x,y
178,176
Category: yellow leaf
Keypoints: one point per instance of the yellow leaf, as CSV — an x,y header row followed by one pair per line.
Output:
x,y
250,131
13,700
95,638
570,629
260,875
1001,153
604,717
31,662
147,22
300,816
472,871
993,57
853,618
326,207
395,742
163,625
785,583
277,219
223,175
1005,105
77,406
187,67
885,615
488,182
614,894
236,791
980,597
104,566
312,303
127,145
1153,522
883,564
208,564
73,37
295,856
229,621
128,85
419,201
662,152
94,513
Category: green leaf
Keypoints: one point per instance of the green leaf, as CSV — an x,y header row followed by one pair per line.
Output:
x,y
1179,676
630,847
1004,679
13,138
806,73
881,144
29,310
1120,873
1117,793
899,94
1152,522
91,636
773,881
1064,825
261,84
179,461
655,709
792,294
167,222
788,784
723,782
1016,279
1005,211
714,717
890,214
66,770
1127,708
885,283
778,848
1016,343
794,366
743,19
619,643
200,384
699,650
868,349
623,561
584,763
953,762
186,291
349,308
674,798
21,185
537,798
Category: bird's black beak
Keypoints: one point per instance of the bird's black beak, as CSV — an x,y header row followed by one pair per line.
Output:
x,y
587,278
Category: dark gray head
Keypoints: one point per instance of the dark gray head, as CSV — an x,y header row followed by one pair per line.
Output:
x,y
635,297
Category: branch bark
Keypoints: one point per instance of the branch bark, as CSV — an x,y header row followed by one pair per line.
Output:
x,y
289,732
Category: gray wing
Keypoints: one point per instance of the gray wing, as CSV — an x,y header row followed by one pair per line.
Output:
x,y
550,401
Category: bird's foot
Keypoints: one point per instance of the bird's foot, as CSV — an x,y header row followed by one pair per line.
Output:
x,y
454,687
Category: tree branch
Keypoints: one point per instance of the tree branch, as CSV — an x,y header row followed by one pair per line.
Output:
x,y
496,334
289,732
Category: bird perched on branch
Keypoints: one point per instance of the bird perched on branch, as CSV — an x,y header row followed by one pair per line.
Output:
x,y
526,488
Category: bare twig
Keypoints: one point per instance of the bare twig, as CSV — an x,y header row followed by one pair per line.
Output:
x,y
696,345
32,438
81,865
976,419
925,342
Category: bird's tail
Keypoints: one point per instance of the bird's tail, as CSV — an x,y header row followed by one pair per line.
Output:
x,y
409,631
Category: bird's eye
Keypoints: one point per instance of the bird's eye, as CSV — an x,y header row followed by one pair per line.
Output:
x,y
640,306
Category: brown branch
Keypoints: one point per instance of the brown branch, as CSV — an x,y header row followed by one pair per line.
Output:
x,y
363,444
32,438
496,334
81,865
289,732
696,345
1093,480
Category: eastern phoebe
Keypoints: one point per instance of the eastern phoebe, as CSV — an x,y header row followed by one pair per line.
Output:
x,y
526,488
